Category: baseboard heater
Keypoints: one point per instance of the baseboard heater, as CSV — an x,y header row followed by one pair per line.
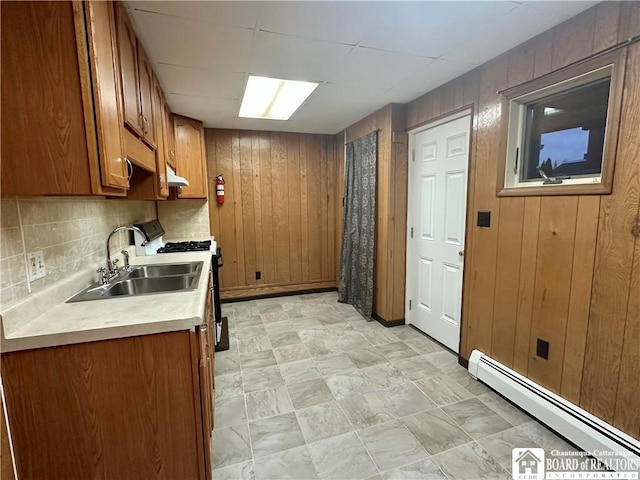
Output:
x,y
572,422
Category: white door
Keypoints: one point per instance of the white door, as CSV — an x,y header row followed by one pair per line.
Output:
x,y
437,213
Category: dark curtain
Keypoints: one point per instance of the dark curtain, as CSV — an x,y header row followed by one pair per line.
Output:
x,y
359,225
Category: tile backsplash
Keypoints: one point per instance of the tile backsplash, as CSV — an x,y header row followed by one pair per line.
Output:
x,y
70,231
184,219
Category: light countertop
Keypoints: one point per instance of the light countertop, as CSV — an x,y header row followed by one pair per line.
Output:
x,y
68,323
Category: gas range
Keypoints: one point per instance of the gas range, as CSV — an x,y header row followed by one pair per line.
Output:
x,y
174,247
149,241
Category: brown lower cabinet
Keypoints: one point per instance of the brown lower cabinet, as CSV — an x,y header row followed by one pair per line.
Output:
x,y
131,408
6,464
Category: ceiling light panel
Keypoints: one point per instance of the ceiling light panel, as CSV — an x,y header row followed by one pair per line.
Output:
x,y
274,98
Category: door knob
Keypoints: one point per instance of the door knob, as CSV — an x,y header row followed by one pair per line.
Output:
x,y
461,253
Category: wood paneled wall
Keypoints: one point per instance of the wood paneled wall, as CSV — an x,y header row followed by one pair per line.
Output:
x,y
563,269
279,215
391,218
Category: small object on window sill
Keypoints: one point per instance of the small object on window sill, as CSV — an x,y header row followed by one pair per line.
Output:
x,y
547,179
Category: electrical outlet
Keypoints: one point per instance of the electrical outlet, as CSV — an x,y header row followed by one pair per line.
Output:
x,y
36,265
542,349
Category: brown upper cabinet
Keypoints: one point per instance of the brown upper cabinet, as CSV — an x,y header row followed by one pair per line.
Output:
x,y
190,157
151,183
127,47
136,74
161,134
145,75
170,139
64,134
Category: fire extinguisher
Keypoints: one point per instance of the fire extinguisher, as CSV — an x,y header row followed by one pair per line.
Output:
x,y
220,189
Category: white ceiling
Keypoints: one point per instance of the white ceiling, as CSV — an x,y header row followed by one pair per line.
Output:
x,y
364,54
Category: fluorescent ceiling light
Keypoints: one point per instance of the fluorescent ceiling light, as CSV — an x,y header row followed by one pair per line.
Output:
x,y
274,98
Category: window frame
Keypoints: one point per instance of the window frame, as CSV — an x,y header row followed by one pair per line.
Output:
x,y
577,74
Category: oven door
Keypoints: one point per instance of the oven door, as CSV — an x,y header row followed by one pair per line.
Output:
x,y
216,264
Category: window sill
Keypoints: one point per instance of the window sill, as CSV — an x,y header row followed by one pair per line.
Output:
x,y
550,190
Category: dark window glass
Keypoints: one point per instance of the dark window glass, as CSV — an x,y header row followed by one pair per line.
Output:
x,y
564,133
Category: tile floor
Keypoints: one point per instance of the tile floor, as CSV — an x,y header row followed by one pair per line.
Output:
x,y
309,389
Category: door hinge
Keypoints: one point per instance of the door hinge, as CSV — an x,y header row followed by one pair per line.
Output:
x,y
409,304
413,155
411,232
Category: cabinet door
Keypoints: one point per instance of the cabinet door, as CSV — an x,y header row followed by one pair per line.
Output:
x,y
158,121
206,395
171,136
208,311
110,409
190,157
50,146
128,70
145,75
6,457
103,54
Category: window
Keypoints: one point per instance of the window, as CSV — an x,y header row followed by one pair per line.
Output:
x,y
564,134
562,130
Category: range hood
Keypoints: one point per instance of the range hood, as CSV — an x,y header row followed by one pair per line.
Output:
x,y
174,180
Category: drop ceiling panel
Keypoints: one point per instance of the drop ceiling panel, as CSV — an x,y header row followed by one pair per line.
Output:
x,y
238,14
330,98
430,28
560,9
194,43
376,68
517,26
325,125
201,81
292,58
432,76
209,110
338,22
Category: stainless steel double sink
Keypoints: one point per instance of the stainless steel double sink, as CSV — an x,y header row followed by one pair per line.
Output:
x,y
145,280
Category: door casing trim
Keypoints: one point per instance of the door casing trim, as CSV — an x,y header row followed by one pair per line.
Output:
x,y
436,122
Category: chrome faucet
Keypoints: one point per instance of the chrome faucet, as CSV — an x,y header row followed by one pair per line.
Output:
x,y
111,269
125,254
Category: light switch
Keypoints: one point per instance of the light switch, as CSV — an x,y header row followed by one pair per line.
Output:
x,y
484,219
